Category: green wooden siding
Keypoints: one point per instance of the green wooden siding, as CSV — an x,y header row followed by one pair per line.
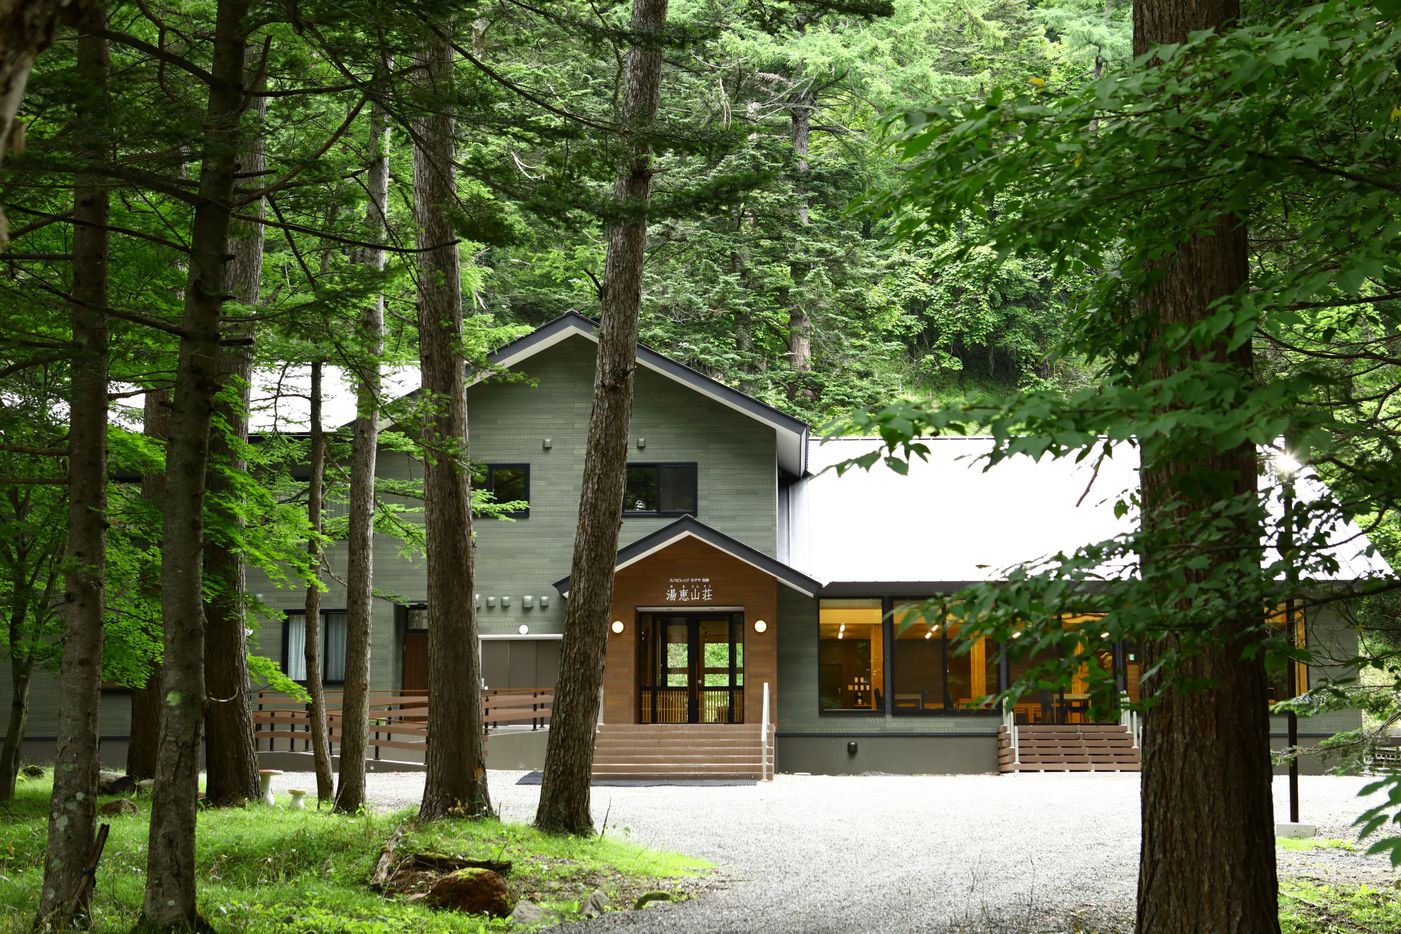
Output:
x,y
509,422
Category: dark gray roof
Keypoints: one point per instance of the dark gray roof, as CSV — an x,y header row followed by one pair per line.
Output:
x,y
691,527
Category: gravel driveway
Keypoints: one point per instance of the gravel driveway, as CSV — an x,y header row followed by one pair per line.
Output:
x,y
1029,852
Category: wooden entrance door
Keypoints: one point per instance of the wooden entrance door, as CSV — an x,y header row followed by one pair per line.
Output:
x,y
415,671
691,668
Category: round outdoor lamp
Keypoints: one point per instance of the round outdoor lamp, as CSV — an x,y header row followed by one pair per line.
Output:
x,y
524,629
760,626
617,626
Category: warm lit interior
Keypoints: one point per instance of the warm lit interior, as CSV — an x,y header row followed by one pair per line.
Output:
x,y
851,657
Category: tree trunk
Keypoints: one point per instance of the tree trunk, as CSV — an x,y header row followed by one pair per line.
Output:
x,y
320,736
230,751
21,670
26,29
456,780
144,733
799,324
170,879
1208,858
564,794
359,581
72,809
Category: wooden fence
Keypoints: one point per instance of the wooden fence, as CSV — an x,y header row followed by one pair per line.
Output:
x,y
398,720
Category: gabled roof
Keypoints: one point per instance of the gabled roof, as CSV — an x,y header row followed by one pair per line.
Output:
x,y
691,527
792,433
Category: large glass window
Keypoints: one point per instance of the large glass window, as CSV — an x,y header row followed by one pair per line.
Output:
x,y
332,646
660,490
933,669
510,483
851,655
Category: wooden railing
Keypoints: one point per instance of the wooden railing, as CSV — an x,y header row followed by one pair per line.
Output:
x,y
398,720
673,705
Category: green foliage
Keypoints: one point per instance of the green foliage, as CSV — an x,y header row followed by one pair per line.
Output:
x,y
283,870
1307,907
1287,124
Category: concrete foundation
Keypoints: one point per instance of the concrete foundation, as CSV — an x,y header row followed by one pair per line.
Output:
x,y
900,755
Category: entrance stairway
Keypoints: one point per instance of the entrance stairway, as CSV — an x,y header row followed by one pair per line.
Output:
x,y
682,752
1072,748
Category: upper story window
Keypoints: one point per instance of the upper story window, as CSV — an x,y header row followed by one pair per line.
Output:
x,y
332,646
660,490
510,483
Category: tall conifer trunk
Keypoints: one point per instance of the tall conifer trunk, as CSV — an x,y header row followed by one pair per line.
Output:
x,y
456,780
564,794
1208,858
320,735
359,580
170,866
230,753
72,809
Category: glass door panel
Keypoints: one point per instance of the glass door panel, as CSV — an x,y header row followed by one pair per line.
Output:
x,y
692,669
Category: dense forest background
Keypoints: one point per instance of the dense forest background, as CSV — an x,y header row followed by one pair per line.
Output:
x,y
763,268
847,206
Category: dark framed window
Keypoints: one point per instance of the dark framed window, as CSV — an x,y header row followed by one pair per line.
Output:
x,y
851,656
510,483
660,490
333,624
934,669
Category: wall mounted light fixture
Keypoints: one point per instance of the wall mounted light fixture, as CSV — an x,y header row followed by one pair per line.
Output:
x,y
505,601
617,626
524,630
641,443
527,601
544,600
547,443
760,626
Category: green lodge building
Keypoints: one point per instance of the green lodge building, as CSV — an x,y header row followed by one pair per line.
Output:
x,y
764,610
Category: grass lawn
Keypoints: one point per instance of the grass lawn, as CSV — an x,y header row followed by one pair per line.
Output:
x,y
281,870
1314,908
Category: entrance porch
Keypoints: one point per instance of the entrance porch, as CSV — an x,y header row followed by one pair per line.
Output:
x,y
690,676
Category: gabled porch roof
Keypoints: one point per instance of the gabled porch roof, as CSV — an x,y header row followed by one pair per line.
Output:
x,y
691,527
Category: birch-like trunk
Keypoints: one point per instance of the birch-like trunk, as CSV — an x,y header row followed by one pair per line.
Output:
x,y
799,322
360,559
72,809
170,866
456,780
564,794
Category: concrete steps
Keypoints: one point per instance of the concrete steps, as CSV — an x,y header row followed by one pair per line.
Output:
x,y
681,752
1069,748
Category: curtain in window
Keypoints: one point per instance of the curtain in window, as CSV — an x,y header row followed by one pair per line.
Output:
x,y
333,644
295,662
